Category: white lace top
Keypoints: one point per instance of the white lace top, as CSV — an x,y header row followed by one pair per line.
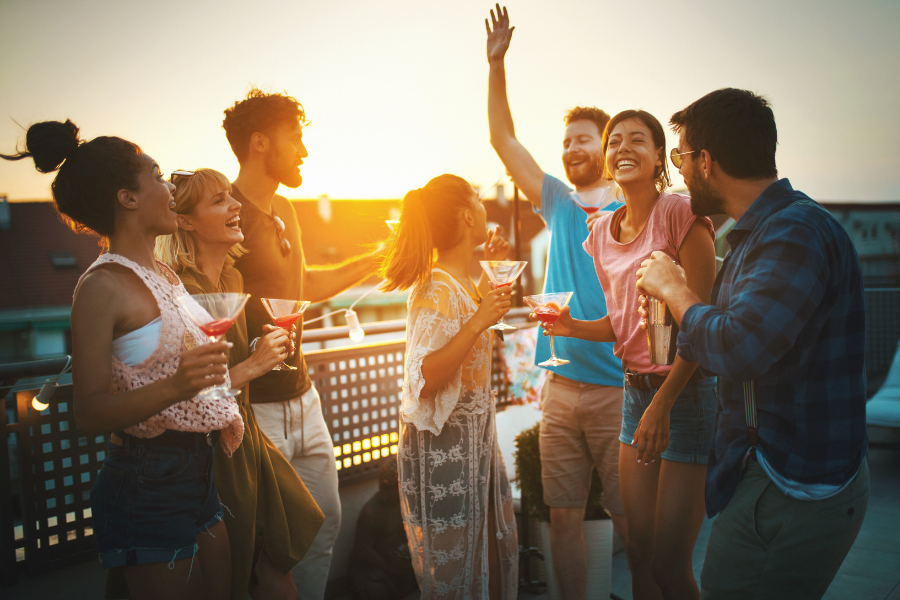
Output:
x,y
451,470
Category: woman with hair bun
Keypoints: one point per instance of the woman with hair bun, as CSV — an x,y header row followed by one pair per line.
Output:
x,y
455,497
135,377
272,519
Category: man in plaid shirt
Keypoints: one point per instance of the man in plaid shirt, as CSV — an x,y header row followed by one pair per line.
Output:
x,y
786,337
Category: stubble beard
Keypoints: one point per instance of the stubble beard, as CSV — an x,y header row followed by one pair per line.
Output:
x,y
705,199
277,170
590,176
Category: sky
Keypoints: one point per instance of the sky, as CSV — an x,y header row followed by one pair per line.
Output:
x,y
396,91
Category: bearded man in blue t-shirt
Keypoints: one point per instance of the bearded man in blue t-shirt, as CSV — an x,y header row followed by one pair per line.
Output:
x,y
581,401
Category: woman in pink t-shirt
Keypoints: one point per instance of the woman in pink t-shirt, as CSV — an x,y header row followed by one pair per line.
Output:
x,y
668,411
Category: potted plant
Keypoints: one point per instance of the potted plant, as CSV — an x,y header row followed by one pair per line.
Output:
x,y
598,532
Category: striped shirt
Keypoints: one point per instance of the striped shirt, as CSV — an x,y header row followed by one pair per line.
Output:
x,y
788,313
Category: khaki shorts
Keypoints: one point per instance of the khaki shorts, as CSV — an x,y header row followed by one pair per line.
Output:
x,y
580,429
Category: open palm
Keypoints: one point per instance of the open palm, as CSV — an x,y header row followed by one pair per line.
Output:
x,y
498,39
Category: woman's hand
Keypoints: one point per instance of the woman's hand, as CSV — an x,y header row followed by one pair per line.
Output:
x,y
493,306
498,39
496,247
564,326
200,368
274,347
652,435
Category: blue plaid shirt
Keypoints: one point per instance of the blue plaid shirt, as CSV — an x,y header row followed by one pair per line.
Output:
x,y
788,312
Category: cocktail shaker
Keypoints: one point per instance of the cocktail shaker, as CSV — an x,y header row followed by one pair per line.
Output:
x,y
662,332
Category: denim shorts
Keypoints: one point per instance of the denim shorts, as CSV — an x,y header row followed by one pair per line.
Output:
x,y
691,419
150,502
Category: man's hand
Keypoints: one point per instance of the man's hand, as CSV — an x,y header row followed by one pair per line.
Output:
x,y
496,247
498,39
660,276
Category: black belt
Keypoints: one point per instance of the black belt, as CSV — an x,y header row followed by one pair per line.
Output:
x,y
173,439
653,381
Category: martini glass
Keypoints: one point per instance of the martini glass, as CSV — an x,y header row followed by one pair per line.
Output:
x,y
214,314
546,307
503,273
592,200
284,314
391,223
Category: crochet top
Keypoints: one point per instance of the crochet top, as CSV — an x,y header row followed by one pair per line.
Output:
x,y
178,334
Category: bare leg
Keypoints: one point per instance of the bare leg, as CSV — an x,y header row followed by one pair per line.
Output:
x,y
495,583
620,524
679,515
569,550
214,557
273,584
639,483
156,581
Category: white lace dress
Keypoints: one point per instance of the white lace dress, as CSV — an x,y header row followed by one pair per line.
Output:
x,y
451,469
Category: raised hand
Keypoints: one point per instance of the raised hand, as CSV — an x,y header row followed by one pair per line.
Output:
x,y
498,39
496,247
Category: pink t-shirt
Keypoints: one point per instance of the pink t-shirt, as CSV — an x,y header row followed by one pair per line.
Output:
x,y
617,264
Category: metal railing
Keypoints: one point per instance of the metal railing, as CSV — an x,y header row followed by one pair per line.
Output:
x,y
45,514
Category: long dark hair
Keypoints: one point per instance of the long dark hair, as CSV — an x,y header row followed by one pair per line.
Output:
x,y
90,173
429,220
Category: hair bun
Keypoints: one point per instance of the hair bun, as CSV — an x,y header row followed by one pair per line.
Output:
x,y
50,143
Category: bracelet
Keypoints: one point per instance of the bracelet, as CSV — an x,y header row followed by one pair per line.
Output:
x,y
253,345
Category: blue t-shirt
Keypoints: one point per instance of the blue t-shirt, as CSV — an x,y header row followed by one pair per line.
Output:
x,y
571,269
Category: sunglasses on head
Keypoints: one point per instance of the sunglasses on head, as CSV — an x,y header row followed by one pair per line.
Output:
x,y
178,176
675,155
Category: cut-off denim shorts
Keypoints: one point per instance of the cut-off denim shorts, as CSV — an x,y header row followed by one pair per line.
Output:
x,y
691,420
150,501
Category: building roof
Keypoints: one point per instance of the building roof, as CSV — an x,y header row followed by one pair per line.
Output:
x,y
33,240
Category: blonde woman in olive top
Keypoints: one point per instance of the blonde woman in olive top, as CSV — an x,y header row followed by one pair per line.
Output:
x,y
271,516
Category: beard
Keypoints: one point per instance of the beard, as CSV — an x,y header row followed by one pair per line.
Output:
x,y
705,199
585,177
279,170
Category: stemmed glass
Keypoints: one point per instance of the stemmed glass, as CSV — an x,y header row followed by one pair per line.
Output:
x,y
214,314
547,307
391,223
284,314
503,273
592,200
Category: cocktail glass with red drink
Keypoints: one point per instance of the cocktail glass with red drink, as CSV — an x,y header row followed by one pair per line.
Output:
x,y
214,314
503,273
547,307
284,314
594,199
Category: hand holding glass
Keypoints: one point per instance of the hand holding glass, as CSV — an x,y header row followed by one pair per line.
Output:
x,y
284,314
503,273
547,307
214,314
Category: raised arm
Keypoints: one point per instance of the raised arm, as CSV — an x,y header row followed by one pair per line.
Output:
x,y
522,167
322,283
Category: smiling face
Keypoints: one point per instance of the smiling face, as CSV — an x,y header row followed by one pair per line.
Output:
x,y
583,153
631,155
215,220
286,153
154,198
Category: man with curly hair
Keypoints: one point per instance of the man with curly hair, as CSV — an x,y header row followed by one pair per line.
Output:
x,y
581,401
266,134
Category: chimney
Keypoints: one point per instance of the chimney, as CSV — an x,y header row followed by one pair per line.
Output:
x,y
5,222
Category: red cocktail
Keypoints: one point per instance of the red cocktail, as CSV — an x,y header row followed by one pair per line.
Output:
x,y
548,313
216,328
547,307
503,273
284,314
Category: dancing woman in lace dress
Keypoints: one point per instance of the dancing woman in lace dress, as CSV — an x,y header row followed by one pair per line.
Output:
x,y
454,494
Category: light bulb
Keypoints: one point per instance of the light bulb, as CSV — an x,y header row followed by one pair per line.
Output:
x,y
47,391
356,332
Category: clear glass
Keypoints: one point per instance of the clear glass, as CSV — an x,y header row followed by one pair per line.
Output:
x,y
214,314
284,314
547,307
503,273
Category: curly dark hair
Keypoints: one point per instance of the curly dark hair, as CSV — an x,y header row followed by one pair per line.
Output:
x,y
90,173
259,112
588,113
736,127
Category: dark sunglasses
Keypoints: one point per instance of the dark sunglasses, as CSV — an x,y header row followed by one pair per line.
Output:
x,y
178,176
675,155
279,231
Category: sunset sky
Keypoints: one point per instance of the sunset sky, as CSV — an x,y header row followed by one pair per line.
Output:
x,y
397,90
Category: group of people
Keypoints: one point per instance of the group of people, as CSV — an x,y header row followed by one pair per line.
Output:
x,y
760,420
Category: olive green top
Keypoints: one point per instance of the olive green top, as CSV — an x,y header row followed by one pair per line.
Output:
x,y
268,507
